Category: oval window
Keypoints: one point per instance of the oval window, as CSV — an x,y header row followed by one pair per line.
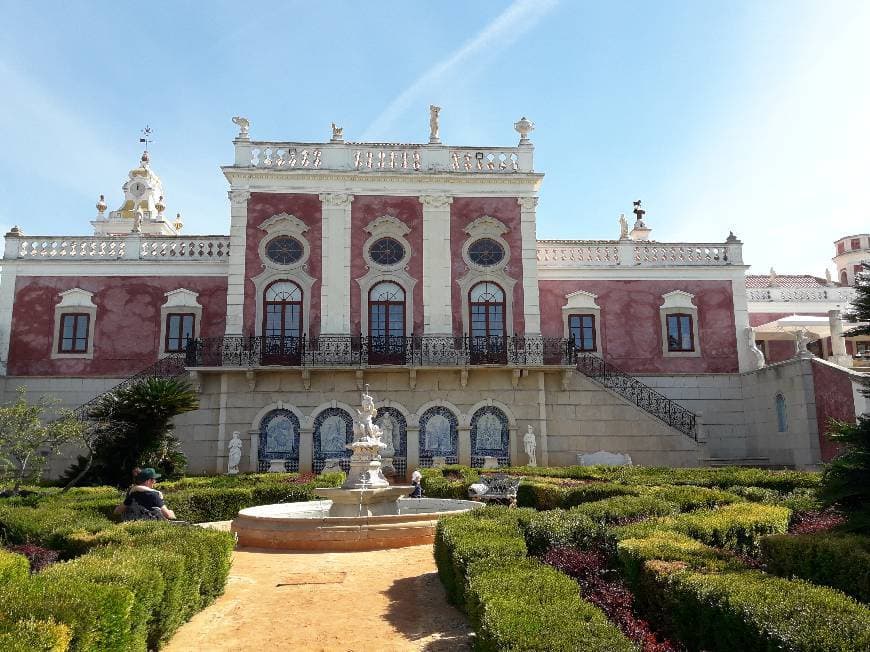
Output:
x,y
284,250
486,252
387,251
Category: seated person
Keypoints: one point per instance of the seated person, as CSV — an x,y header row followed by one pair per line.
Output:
x,y
416,481
143,501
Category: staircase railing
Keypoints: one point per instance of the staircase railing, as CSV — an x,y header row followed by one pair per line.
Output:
x,y
642,395
172,366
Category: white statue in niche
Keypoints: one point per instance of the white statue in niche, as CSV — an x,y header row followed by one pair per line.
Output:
x,y
488,432
332,438
235,453
438,434
529,444
280,435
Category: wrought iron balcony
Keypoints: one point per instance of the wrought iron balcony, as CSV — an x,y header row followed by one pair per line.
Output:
x,y
330,351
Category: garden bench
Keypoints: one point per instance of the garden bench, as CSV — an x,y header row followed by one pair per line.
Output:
x,y
497,487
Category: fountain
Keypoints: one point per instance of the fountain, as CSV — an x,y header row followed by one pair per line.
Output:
x,y
365,513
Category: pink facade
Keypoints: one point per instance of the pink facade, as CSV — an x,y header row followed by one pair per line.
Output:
x,y
834,400
127,325
630,329
463,212
261,207
409,211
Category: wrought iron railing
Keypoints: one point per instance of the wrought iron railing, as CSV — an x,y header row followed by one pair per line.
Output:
x,y
172,366
359,351
644,396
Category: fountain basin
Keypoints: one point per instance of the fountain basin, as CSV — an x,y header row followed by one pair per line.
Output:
x,y
309,526
371,501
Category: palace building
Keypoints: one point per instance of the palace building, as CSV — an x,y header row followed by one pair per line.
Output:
x,y
416,269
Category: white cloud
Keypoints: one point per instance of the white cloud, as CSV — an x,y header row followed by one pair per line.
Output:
x,y
513,22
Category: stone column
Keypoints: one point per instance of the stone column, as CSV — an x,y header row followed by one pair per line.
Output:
x,y
254,450
306,449
531,305
221,457
838,342
412,449
236,272
335,284
464,445
437,301
543,451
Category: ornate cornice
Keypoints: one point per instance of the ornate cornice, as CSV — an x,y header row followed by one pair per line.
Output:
x,y
336,199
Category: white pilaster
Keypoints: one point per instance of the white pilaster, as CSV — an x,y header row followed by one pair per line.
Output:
x,y
335,283
531,307
437,302
236,272
745,357
7,295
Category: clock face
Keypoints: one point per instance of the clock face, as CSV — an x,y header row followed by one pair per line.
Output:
x,y
137,188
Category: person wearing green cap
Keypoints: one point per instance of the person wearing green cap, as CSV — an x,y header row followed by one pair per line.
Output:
x,y
143,501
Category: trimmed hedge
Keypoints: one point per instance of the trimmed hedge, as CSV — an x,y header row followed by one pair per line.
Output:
x,y
550,495
633,553
523,604
440,483
556,527
841,561
689,498
68,531
753,612
739,526
12,567
623,508
33,636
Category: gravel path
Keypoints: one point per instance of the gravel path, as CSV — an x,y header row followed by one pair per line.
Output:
x,y
389,600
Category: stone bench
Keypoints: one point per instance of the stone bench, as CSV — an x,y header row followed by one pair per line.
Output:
x,y
498,487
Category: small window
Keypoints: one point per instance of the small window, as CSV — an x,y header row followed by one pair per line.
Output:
x,y
680,332
387,251
179,331
486,252
781,414
582,330
284,250
857,269
74,333
841,247
855,243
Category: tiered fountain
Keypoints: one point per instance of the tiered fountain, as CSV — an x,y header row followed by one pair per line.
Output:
x,y
365,513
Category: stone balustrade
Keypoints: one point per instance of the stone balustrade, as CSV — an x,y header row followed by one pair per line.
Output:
x,y
622,253
135,246
383,157
776,294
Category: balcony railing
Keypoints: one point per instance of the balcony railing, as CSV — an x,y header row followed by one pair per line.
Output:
x,y
330,351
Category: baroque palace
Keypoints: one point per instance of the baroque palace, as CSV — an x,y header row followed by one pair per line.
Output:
x,y
415,269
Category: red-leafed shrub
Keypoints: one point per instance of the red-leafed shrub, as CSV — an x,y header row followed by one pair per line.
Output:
x,y
603,588
816,521
38,556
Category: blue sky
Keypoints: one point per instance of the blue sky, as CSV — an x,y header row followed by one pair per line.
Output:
x,y
744,116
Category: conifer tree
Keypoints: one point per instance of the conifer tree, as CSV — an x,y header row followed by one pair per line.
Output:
x,y
859,311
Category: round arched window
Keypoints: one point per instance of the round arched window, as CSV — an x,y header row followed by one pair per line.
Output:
x,y
387,251
284,250
486,252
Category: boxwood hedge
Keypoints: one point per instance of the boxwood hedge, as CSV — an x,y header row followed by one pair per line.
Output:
x,y
738,527
32,635
841,561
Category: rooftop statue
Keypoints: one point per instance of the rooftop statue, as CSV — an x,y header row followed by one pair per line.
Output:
x,y
337,133
434,136
244,126
623,227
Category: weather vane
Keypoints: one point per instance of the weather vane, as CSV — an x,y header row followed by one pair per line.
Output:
x,y
146,137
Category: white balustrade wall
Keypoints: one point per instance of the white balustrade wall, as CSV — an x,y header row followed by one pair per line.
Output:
x,y
132,247
384,157
591,253
841,295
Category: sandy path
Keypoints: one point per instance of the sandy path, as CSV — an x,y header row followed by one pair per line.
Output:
x,y
388,600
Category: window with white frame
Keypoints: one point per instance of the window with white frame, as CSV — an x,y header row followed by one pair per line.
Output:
x,y
581,318
180,317
74,322
679,325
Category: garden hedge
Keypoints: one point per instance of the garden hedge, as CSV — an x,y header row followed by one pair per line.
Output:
x,y
550,495
557,527
33,636
841,561
625,508
749,611
12,567
738,527
525,605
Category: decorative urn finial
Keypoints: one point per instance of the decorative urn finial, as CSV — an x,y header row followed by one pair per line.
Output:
x,y
160,206
178,222
101,205
524,127
731,237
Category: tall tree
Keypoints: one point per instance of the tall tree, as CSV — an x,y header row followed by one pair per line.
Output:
x,y
859,311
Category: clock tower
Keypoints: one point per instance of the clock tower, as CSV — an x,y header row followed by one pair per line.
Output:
x,y
143,207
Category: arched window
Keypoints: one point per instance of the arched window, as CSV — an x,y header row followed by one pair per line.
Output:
x,y
486,309
844,278
781,413
386,323
282,323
